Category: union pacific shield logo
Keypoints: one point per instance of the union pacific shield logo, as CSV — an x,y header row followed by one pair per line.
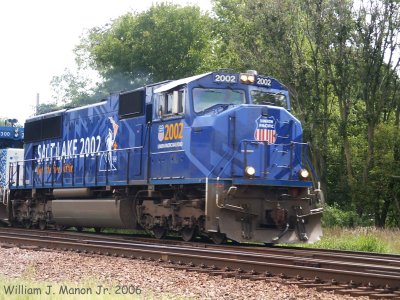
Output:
x,y
265,130
160,133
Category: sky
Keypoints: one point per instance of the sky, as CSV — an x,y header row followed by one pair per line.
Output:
x,y
37,42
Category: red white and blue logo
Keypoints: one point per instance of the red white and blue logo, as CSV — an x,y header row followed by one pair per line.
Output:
x,y
160,133
265,130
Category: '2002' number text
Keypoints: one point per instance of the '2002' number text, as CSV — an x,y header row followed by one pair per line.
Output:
x,y
264,81
225,78
173,131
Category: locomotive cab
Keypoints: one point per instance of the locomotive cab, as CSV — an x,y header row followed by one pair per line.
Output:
x,y
235,134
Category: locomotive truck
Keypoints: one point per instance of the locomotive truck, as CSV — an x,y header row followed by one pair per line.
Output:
x,y
217,154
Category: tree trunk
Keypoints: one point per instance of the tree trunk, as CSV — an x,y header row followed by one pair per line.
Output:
x,y
370,153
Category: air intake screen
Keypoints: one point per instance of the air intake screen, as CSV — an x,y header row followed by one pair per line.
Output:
x,y
131,104
43,129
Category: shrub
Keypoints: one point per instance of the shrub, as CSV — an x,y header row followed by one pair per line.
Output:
x,y
335,217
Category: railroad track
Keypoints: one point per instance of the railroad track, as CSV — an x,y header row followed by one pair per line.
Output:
x,y
353,273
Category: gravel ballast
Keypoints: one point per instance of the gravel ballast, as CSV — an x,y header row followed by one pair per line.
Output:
x,y
153,280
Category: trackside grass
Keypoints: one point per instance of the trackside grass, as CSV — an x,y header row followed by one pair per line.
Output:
x,y
366,239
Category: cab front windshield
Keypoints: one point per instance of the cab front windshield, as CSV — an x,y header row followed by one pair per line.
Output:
x,y
268,98
205,100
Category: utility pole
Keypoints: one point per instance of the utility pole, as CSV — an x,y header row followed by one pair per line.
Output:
x,y
37,103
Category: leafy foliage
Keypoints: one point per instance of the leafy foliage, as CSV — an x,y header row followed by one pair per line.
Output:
x,y
46,107
165,42
335,217
9,122
74,89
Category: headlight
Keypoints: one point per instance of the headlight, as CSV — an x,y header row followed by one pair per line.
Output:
x,y
304,174
243,78
247,78
250,171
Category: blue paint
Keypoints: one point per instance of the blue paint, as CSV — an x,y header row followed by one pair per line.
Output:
x,y
98,146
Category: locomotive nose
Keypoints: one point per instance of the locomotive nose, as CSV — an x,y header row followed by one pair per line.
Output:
x,y
265,137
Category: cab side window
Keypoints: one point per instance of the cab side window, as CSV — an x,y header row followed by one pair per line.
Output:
x,y
171,103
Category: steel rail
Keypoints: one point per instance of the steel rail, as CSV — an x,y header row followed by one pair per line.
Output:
x,y
363,265
379,273
303,254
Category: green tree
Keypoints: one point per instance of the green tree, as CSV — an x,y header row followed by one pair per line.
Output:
x,y
383,187
46,108
378,24
74,89
165,42
9,122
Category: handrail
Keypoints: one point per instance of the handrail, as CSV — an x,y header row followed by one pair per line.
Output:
x,y
6,194
55,165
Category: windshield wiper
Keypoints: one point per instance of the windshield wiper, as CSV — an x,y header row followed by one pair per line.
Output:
x,y
216,106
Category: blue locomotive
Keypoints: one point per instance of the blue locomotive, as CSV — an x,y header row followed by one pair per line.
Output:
x,y
11,136
217,154
10,151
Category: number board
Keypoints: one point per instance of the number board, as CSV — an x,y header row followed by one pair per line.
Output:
x,y
263,81
225,78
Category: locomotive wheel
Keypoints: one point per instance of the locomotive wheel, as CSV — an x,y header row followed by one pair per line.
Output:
x,y
159,232
27,224
218,238
42,225
188,233
60,227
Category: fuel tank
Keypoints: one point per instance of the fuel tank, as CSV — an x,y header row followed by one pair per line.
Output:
x,y
112,213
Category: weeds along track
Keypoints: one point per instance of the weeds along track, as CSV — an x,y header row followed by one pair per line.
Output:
x,y
354,273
